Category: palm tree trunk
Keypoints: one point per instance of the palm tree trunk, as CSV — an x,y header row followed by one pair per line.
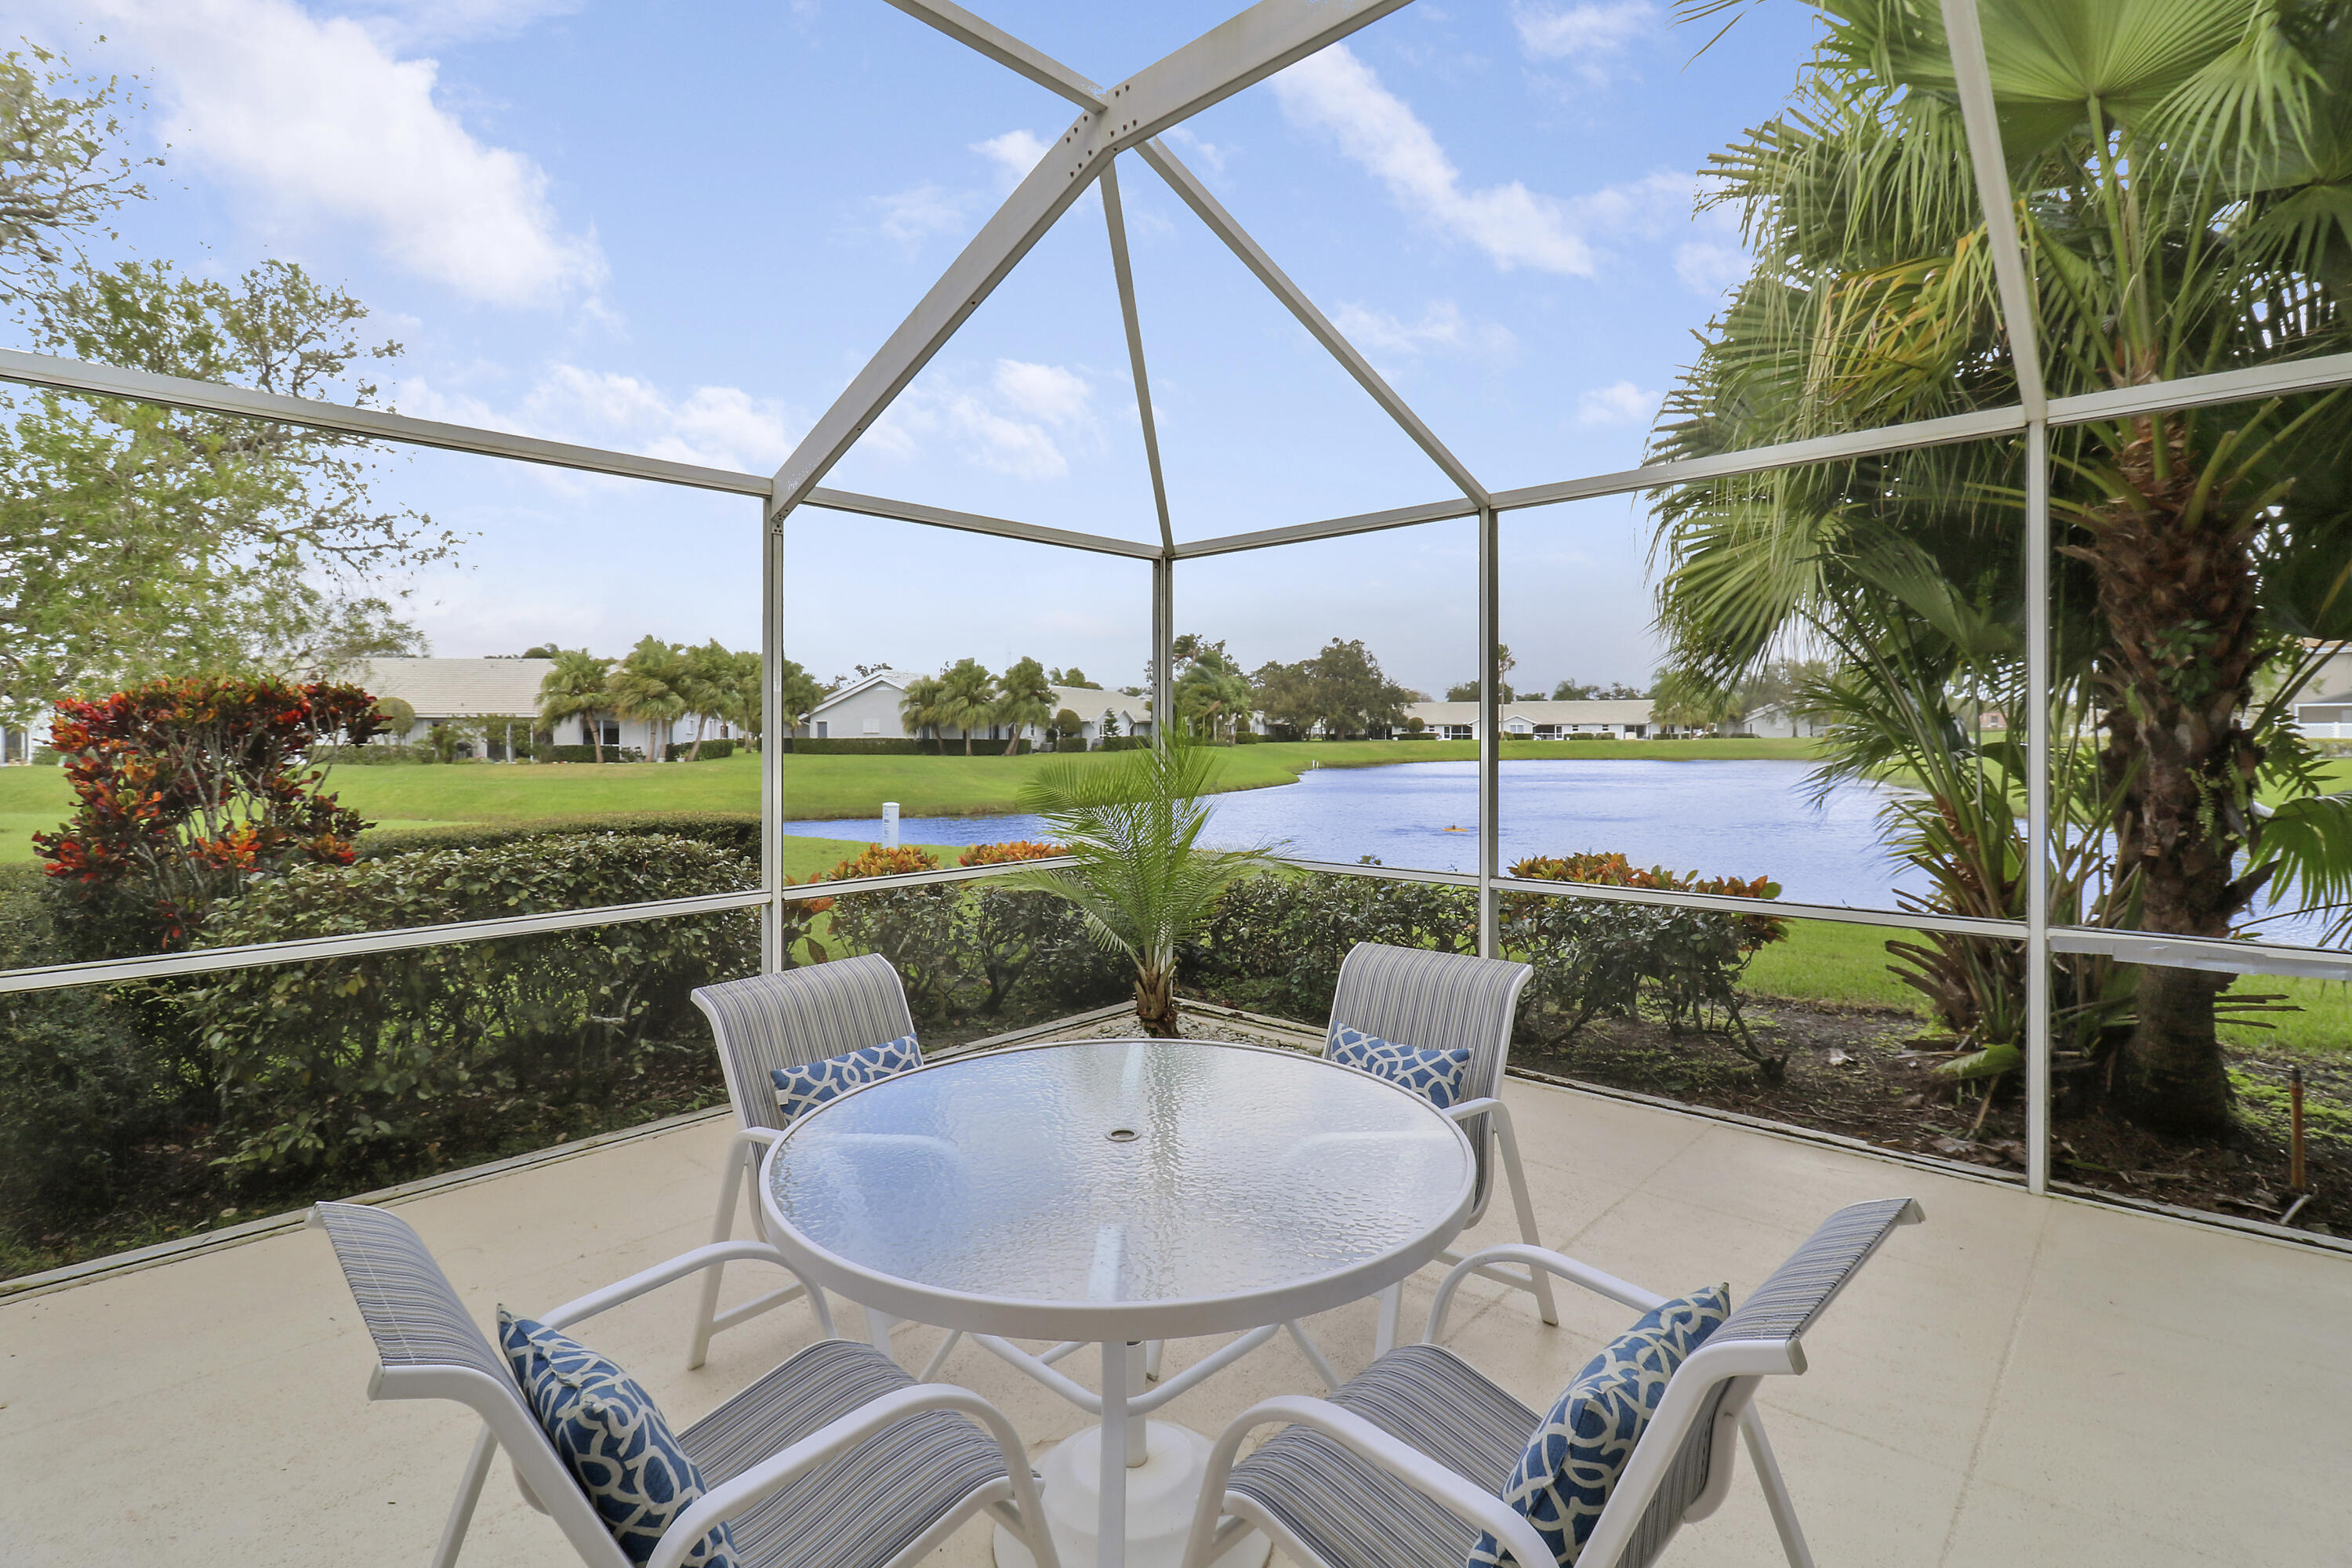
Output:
x,y
595,736
1155,1003
2177,587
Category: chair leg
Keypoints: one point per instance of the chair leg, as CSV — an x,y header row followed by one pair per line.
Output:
x,y
878,1324
706,1313
1507,1143
1154,1353
1391,1307
1776,1490
469,1492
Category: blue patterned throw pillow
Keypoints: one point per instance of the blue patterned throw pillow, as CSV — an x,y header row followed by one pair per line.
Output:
x,y
1436,1074
612,1437
804,1088
1570,1465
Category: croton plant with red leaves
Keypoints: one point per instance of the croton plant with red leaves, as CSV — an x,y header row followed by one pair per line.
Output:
x,y
190,788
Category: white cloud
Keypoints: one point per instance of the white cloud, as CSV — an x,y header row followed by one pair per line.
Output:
x,y
1208,154
1715,259
1015,153
1019,423
1620,403
1336,93
1585,35
1711,267
1442,329
912,217
718,426
425,24
322,119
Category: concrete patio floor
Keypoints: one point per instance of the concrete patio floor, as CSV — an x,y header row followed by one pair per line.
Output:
x,y
2017,1381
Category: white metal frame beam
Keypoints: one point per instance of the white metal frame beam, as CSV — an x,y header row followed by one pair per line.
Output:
x,y
376,423
973,522
1209,211
1115,220
1964,38
1242,50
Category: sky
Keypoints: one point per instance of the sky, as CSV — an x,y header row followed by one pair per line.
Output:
x,y
681,229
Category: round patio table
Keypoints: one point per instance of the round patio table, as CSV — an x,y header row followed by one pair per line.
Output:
x,y
1116,1192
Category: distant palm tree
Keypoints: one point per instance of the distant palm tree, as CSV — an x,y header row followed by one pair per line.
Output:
x,y
967,698
1213,694
575,689
1027,697
649,686
705,674
919,706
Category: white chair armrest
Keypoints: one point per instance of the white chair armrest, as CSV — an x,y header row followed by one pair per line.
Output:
x,y
1551,1262
1464,1499
837,1437
662,1274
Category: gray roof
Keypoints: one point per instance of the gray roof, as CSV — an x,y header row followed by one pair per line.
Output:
x,y
458,688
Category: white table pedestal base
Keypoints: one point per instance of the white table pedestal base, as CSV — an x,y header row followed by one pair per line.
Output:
x,y
1161,1494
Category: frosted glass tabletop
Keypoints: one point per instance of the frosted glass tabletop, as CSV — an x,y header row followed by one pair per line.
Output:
x,y
1119,1189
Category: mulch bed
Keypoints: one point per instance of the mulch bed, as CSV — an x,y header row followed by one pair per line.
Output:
x,y
1868,1074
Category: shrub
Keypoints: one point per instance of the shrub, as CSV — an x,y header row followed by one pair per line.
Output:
x,y
736,832
189,788
86,1093
886,746
324,1064
1596,958
920,929
375,756
546,753
1281,935
1071,743
810,746
1246,737
712,750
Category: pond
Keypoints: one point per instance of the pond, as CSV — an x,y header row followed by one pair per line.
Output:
x,y
1744,818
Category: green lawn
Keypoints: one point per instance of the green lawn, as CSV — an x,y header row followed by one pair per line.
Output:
x,y
815,787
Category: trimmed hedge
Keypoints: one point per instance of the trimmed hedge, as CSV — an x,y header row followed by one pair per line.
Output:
x,y
375,756
736,832
585,755
902,747
712,750
321,1065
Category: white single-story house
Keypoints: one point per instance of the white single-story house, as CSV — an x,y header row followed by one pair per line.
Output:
x,y
442,690
1619,719
2324,710
1774,721
867,709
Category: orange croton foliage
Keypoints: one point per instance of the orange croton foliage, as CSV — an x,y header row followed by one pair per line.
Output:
x,y
187,789
1614,870
879,861
1006,854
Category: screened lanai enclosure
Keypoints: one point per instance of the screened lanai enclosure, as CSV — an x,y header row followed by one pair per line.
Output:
x,y
2021,440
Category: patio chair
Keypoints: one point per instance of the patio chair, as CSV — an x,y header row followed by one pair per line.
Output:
x,y
1443,1002
788,1020
834,1460
1406,1464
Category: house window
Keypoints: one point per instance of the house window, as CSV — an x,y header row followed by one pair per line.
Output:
x,y
824,730
874,726
610,729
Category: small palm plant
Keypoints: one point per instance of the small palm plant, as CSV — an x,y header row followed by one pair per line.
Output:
x,y
1133,821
